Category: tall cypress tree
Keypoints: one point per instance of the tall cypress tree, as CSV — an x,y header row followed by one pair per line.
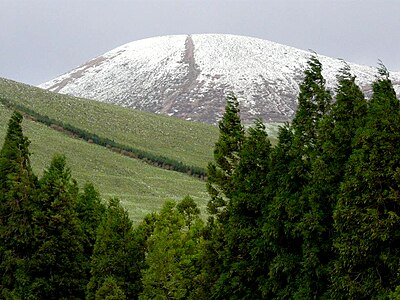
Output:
x,y
17,182
338,128
116,253
367,215
90,211
314,102
56,267
243,262
283,247
335,132
220,187
226,157
287,225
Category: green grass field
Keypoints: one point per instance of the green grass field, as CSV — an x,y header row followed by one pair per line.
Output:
x,y
189,142
142,188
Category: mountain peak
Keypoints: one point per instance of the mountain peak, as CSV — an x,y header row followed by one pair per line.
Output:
x,y
188,76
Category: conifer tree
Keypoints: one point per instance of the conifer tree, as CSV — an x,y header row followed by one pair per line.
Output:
x,y
17,183
333,147
220,187
189,210
55,270
282,245
287,225
110,290
313,103
90,210
338,128
367,215
174,253
226,157
336,132
116,253
242,260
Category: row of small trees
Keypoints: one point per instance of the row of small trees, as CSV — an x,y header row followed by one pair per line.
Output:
x,y
314,217
150,158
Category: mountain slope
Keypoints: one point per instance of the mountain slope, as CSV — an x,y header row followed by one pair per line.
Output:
x,y
189,142
189,76
141,187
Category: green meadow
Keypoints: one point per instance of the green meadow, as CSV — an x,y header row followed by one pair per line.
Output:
x,y
142,188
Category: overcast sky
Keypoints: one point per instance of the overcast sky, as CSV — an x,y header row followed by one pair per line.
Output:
x,y
41,39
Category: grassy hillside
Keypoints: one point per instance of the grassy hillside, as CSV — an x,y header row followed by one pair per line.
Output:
x,y
142,188
189,142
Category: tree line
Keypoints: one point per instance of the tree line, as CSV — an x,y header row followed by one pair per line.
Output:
x,y
150,158
314,217
317,216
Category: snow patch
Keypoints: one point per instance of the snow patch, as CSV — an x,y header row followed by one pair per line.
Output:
x,y
189,76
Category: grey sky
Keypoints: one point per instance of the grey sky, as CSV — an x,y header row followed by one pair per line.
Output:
x,y
41,39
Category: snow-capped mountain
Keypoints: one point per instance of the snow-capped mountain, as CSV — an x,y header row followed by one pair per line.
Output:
x,y
188,76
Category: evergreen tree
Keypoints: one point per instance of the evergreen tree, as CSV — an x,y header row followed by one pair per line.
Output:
x,y
17,182
335,132
220,187
212,254
110,290
116,253
226,157
283,244
313,103
338,128
367,213
174,252
55,270
288,224
90,210
189,210
243,262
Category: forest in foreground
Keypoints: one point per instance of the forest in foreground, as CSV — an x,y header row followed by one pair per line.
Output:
x,y
314,217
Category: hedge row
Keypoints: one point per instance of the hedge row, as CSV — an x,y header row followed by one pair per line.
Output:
x,y
150,158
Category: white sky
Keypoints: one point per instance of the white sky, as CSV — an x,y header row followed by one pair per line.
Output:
x,y
41,39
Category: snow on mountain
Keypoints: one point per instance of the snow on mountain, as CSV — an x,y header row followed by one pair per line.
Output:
x,y
188,76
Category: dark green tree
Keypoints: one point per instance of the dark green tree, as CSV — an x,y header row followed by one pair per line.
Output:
x,y
287,223
338,128
220,187
226,157
243,262
116,253
17,183
314,102
282,243
335,132
110,290
90,210
367,215
55,269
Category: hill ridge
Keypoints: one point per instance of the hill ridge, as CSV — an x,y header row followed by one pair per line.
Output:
x,y
188,76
